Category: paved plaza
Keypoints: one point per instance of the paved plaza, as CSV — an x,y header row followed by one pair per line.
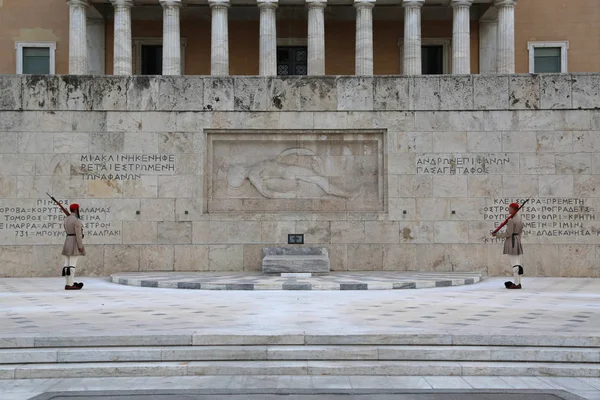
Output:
x,y
568,308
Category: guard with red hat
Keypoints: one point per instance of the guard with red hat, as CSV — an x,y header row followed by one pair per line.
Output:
x,y
73,247
512,244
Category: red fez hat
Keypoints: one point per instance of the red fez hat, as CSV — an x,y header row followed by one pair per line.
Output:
x,y
514,205
74,207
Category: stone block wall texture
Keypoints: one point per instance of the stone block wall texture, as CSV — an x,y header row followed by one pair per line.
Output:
x,y
198,173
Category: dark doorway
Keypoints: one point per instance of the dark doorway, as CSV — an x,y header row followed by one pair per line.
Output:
x,y
292,60
152,59
432,60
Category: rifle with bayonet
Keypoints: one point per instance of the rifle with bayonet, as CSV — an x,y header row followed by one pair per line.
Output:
x,y
509,217
64,210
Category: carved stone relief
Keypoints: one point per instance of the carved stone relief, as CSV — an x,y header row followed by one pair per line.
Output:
x,y
292,171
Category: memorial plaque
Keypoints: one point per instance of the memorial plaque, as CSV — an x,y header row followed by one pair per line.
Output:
x,y
330,171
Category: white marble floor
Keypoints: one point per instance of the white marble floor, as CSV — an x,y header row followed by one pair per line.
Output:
x,y
545,306
588,388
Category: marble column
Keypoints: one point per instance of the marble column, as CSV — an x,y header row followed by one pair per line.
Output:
x,y
78,48
122,63
506,36
316,37
268,37
488,35
461,37
219,42
412,36
171,37
364,37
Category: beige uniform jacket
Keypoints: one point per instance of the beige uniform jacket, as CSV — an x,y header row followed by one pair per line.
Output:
x,y
512,236
74,240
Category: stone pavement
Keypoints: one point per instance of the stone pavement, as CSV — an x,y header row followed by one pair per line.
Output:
x,y
588,388
375,280
546,306
569,308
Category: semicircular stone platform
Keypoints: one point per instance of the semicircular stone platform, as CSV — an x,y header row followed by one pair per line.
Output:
x,y
373,280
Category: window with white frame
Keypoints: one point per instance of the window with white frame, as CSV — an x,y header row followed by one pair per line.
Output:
x,y
548,57
36,58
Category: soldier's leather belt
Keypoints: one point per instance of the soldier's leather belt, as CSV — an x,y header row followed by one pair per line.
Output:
x,y
513,239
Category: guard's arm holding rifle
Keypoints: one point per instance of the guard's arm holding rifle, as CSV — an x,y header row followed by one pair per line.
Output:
x,y
495,231
510,228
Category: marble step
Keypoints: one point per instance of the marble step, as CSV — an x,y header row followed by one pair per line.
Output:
x,y
300,353
192,338
343,368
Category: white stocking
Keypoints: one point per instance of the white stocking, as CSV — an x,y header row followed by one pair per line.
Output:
x,y
514,262
70,262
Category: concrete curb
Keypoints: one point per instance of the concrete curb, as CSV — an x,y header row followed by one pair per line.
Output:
x,y
311,394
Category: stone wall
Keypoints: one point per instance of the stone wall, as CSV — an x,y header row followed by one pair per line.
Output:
x,y
389,173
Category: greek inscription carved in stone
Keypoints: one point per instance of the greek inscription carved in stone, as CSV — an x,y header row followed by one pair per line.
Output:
x,y
547,217
45,220
472,164
125,166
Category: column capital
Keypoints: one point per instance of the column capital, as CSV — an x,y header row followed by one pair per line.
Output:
x,y
413,3
364,3
505,3
83,3
170,3
461,3
122,3
267,3
316,3
219,3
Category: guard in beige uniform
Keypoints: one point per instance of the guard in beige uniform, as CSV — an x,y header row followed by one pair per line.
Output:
x,y
512,245
73,247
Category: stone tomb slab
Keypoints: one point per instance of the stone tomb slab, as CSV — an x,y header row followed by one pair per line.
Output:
x,y
374,280
295,171
278,260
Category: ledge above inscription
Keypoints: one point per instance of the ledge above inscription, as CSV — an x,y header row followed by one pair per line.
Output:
x,y
291,171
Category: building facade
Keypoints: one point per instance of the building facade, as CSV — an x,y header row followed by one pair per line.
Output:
x,y
400,150
293,37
